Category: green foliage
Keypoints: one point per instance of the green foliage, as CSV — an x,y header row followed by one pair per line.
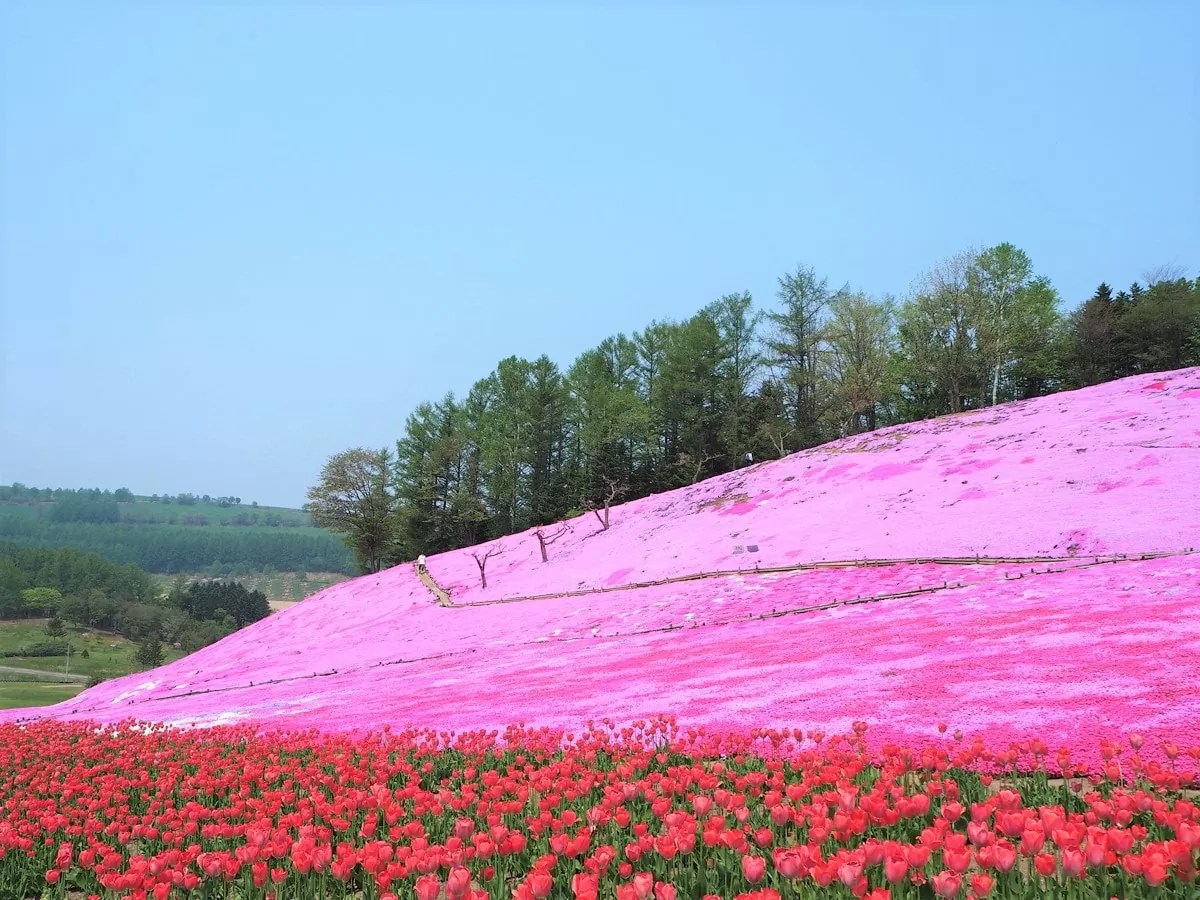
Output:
x,y
149,653
41,601
354,498
680,401
214,600
178,548
37,649
184,533
1140,330
85,509
860,340
793,348
90,593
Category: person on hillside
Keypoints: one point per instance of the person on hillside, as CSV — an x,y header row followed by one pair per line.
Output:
x,y
421,570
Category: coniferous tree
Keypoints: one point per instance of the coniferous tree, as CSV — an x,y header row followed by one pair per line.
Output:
x,y
149,653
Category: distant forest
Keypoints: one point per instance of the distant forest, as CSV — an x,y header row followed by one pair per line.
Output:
x,y
69,585
164,534
680,401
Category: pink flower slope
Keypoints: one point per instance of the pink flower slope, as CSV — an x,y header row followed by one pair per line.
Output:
x,y
1068,652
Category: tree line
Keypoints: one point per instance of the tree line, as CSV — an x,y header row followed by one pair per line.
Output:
x,y
69,585
677,402
21,493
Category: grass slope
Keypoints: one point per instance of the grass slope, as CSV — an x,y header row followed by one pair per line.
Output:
x,y
1017,572
144,509
109,655
20,695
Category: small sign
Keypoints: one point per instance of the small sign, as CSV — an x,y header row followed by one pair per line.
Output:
x,y
752,548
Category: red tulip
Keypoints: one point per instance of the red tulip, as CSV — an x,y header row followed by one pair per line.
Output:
x,y
458,883
540,884
917,856
981,884
947,884
428,887
643,885
895,868
849,873
753,868
1073,863
585,886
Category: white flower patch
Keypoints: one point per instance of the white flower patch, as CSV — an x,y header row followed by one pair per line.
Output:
x,y
125,695
225,717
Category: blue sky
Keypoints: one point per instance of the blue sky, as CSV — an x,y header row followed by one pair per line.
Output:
x,y
237,239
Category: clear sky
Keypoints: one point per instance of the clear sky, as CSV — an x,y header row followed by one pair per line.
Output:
x,y
235,239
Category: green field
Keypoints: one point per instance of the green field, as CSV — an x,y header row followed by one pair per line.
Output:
x,y
108,655
16,695
145,510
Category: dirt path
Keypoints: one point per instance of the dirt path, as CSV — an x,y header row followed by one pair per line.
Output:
x,y
442,595
1067,562
48,677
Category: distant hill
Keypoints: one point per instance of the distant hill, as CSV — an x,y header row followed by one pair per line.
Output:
x,y
182,533
1020,571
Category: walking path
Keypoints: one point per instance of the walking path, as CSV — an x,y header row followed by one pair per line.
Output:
x,y
43,675
440,593
1068,562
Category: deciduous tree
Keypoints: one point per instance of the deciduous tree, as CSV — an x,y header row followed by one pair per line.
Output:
x,y
354,498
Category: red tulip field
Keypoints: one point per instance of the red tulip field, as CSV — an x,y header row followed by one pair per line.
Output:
x,y
647,811
956,658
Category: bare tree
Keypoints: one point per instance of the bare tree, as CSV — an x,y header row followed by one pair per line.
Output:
x,y
615,490
546,539
1166,272
482,561
777,434
686,459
